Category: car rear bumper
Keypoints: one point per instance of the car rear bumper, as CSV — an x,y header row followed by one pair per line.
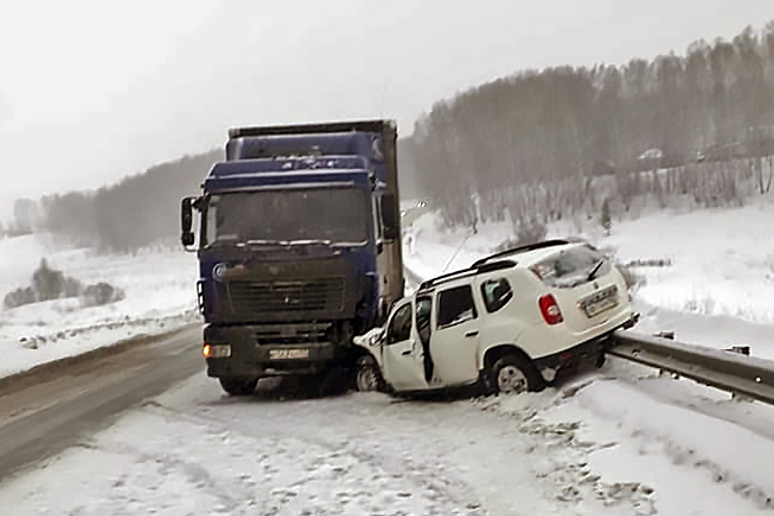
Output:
x,y
590,352
572,357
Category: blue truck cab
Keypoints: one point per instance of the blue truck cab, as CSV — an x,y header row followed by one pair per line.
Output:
x,y
299,248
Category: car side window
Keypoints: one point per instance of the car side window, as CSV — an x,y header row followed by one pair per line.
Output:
x,y
496,294
424,307
400,325
455,306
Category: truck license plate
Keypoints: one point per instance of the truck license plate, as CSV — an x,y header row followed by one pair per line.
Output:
x,y
600,301
288,354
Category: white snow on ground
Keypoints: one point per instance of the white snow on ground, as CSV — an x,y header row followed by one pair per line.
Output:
x,y
721,260
621,440
195,451
160,296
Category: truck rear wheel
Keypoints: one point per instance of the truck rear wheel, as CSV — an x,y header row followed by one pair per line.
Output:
x,y
238,386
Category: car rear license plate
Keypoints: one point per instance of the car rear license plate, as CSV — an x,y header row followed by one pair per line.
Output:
x,y
600,301
288,354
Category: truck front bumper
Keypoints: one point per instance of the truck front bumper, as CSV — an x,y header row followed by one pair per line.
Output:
x,y
247,358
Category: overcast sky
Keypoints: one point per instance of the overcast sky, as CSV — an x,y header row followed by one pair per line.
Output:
x,y
94,90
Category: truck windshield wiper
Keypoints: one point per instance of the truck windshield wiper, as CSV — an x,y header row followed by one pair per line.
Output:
x,y
310,242
265,242
595,269
350,244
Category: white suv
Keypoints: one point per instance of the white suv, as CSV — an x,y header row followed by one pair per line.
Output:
x,y
511,321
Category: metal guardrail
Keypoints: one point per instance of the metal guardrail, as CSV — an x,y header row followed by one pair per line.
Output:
x,y
739,374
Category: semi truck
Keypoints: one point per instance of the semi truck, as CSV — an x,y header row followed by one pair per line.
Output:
x,y
298,247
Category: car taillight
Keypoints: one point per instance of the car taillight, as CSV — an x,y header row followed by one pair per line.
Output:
x,y
550,309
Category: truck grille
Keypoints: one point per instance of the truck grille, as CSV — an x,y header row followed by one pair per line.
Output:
x,y
320,294
291,334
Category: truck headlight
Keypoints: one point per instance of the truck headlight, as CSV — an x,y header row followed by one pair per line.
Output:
x,y
216,351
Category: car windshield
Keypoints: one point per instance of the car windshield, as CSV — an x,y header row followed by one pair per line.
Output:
x,y
336,215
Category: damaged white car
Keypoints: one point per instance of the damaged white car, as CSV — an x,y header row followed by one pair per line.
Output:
x,y
510,323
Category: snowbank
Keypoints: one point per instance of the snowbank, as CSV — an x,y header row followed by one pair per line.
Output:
x,y
160,295
721,261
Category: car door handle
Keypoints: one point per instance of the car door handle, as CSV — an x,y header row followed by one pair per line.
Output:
x,y
471,333
407,352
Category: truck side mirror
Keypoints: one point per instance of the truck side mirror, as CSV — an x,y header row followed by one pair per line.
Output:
x,y
390,219
186,221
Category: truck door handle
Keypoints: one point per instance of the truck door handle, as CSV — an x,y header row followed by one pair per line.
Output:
x,y
471,333
407,352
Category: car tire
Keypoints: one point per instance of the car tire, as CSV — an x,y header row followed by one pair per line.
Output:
x,y
238,386
512,374
368,377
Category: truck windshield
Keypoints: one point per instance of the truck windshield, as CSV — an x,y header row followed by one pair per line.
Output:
x,y
338,215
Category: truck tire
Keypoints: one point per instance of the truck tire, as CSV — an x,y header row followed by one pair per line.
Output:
x,y
329,382
238,386
512,374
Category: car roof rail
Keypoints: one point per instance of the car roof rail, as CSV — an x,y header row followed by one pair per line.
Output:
x,y
528,247
464,273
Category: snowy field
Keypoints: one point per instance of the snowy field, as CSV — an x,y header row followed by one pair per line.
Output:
x,y
160,295
720,261
618,441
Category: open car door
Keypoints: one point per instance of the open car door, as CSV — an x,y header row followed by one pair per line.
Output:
x,y
403,357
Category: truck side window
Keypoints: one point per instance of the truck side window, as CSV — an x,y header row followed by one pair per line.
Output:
x,y
455,306
400,325
496,294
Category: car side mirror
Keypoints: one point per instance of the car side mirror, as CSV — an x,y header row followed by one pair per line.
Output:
x,y
376,339
186,221
390,219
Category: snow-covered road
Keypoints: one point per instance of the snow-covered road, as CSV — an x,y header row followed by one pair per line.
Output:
x,y
620,441
195,451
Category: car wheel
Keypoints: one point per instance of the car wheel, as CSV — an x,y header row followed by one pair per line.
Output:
x,y
369,377
513,374
238,386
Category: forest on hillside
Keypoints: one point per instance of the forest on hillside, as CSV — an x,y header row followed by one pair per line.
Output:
x,y
708,115
532,147
138,211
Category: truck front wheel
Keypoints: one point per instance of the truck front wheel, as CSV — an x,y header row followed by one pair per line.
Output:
x,y
238,386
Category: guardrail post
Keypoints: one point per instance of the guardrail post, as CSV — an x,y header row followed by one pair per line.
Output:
x,y
671,336
742,350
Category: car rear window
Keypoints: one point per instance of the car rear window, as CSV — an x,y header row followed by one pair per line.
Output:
x,y
572,267
455,306
496,294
